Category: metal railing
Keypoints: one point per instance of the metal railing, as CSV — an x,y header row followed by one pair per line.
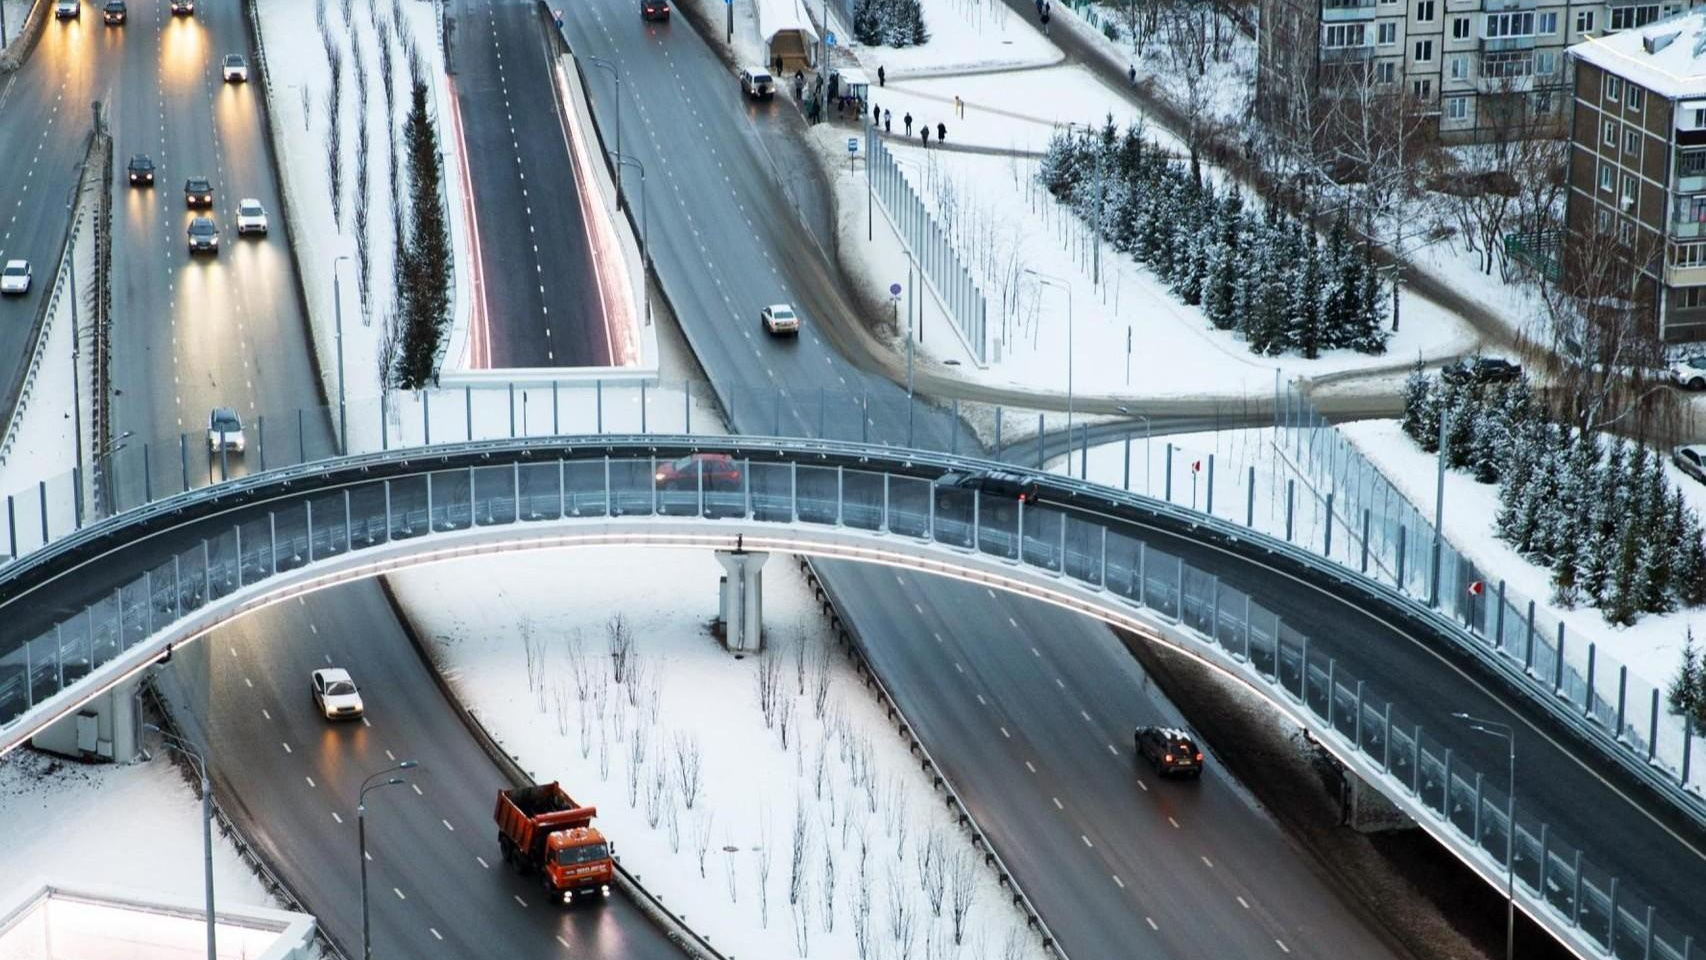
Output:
x,y
210,553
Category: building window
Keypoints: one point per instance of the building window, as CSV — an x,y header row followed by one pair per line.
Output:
x,y
1386,33
1519,63
1691,163
1631,140
1627,197
1457,108
1625,230
1385,72
1689,298
1695,210
1627,18
1387,3
1548,23
1584,21
1611,134
1689,255
1603,220
1424,51
1519,24
1606,177
1543,103
1699,119
1460,28
1422,89
1633,96
1424,11
1613,87
1340,35
1544,61
1459,66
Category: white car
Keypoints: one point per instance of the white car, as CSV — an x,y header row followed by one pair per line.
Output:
x,y
335,694
68,10
224,431
778,319
236,69
185,7
251,217
15,277
1689,372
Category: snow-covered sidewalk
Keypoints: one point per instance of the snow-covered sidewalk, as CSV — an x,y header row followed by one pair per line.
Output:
x,y
765,799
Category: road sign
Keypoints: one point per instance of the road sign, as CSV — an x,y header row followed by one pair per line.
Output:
x,y
1196,466
852,144
829,37
1476,588
894,289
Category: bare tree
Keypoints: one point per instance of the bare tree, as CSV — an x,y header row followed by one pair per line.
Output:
x,y
867,764
560,698
532,652
619,640
702,823
619,716
603,749
579,667
731,868
932,870
769,679
821,680
800,656
820,767
585,731
672,821
761,853
939,944
962,890
785,718
1014,947
689,773
658,790
802,910
637,747
862,915
799,852
903,919
826,885
636,679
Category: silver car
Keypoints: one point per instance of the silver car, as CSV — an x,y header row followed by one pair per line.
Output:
x,y
1691,459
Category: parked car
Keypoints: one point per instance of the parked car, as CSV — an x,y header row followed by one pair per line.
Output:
x,y
992,483
68,10
251,217
183,7
1481,370
141,170
198,192
235,69
204,235
15,277
779,319
654,9
335,694
114,12
1170,750
1690,372
756,83
719,470
1690,459
225,431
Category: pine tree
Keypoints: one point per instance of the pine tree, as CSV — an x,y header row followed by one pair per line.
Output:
x,y
1418,390
1306,305
1622,595
1686,695
424,290
1566,588
1220,301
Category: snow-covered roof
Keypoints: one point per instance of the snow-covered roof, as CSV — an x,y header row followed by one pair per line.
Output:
x,y
779,16
1666,56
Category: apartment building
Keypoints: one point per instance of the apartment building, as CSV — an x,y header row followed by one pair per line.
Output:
x,y
1638,159
1480,66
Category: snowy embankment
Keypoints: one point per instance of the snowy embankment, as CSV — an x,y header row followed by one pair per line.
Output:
x,y
765,800
127,825
382,46
1129,337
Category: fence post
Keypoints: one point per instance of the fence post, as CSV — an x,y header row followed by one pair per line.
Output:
x,y
512,408
11,527
1040,448
1499,620
1386,740
1528,651
1653,727
642,406
1332,690
41,489
1359,716
1558,665
556,429
598,395
1445,794
1576,897
1290,491
1687,745
426,417
1250,499
1622,697
1167,480
1416,763
1593,665
1327,547
1403,534
999,414
1209,506
1125,476
1476,821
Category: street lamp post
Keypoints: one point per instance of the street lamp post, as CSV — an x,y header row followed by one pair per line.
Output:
x,y
1504,732
104,463
361,841
188,751
338,313
1057,282
645,231
607,65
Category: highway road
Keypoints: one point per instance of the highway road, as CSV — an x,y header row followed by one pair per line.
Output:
x,y
541,297
193,333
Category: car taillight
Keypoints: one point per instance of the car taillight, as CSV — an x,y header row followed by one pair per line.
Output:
x,y
1199,756
1167,759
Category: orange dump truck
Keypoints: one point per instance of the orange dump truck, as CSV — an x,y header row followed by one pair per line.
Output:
x,y
542,830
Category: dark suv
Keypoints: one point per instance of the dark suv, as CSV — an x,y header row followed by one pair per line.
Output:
x,y
141,171
198,192
992,483
114,12
1171,751
1481,370
654,9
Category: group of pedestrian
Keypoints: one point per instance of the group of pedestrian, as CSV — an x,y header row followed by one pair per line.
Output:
x,y
885,119
1044,13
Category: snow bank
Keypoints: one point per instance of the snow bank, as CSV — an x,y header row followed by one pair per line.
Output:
x,y
122,825
966,36
725,863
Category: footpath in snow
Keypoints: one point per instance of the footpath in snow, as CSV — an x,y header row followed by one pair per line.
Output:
x,y
766,799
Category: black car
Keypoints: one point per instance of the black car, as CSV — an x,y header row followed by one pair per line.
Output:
x,y
141,171
114,12
204,235
1170,750
992,483
198,192
654,9
1481,370
184,7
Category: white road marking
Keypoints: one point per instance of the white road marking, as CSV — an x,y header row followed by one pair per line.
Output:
x,y
264,713
1118,882
560,940
482,862
417,789
1029,767
519,900
286,747
249,683
981,700
1143,786
1014,622
958,667
435,933
389,757
1060,683
1057,804
1113,750
310,781
1151,922
1004,733
1175,823
1242,903
1086,716
1207,862
452,829
1086,840
399,893
1282,946
336,817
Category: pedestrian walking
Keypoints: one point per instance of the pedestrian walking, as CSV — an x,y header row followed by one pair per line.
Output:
x,y
882,76
1045,20
875,113
941,133
924,131
908,121
959,106
1131,75
888,122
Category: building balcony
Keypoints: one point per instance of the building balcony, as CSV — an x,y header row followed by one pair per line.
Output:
x,y
1340,11
1684,276
1687,230
1497,6
1506,44
1347,54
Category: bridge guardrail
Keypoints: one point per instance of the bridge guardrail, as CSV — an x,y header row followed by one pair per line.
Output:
x,y
211,551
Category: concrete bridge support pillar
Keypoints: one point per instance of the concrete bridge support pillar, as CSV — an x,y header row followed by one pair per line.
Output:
x,y
108,727
740,609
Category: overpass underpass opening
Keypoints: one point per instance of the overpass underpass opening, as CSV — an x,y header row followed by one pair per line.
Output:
x,y
213,555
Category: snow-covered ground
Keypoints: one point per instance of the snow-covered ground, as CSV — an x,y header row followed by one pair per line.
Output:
x,y
832,781
298,76
127,825
1007,224
12,16
966,36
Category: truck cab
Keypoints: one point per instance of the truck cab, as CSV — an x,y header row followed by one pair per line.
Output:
x,y
541,830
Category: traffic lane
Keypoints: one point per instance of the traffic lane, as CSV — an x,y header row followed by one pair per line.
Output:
x,y
1146,851
1588,806
543,302
298,777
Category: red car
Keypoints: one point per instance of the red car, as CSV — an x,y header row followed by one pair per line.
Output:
x,y
718,469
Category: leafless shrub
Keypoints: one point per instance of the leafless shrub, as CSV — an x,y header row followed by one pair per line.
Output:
x,y
603,750
637,745
560,699
802,909
903,920
762,854
619,717
826,886
799,852
689,762
1014,947
701,837
653,699
785,718
939,944
585,731
932,870
363,179
619,640
862,915
731,868
800,657
962,891
821,679
820,767
334,125
532,652
769,679
579,667
636,679
658,791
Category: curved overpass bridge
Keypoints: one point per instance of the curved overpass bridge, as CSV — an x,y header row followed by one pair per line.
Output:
x,y
104,603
